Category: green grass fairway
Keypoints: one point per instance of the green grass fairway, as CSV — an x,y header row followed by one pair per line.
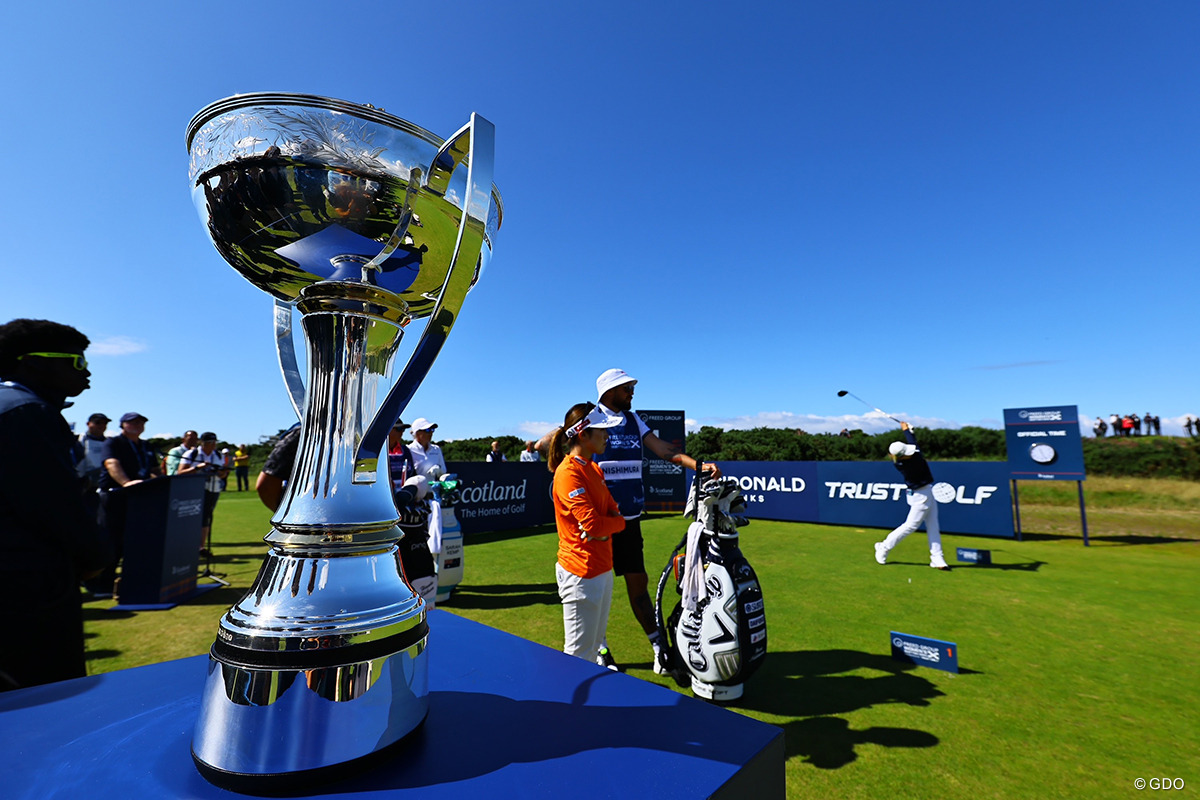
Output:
x,y
1079,664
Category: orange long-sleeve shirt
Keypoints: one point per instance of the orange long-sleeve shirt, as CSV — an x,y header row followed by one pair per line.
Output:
x,y
582,500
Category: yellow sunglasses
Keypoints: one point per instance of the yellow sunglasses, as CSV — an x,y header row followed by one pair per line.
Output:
x,y
78,360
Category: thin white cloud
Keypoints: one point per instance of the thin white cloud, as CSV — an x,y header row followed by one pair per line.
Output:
x,y
871,422
117,346
535,430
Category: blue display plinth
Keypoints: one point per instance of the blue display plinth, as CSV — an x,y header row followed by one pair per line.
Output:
x,y
507,718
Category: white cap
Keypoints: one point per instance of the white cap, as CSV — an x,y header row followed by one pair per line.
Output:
x,y
610,378
901,449
422,424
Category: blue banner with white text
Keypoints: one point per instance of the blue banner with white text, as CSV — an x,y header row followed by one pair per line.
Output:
x,y
498,497
973,496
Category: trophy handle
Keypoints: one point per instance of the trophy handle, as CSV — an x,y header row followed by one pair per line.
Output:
x,y
285,348
476,142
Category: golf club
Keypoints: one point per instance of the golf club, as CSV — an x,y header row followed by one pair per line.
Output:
x,y
843,393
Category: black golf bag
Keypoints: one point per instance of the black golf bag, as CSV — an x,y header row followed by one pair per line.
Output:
x,y
716,636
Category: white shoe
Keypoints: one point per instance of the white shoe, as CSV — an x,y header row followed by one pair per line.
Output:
x,y
880,553
937,562
604,658
657,666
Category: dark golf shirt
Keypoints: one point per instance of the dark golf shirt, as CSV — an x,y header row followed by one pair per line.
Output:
x,y
135,459
914,468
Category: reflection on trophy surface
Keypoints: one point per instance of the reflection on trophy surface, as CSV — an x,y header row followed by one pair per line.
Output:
x,y
361,222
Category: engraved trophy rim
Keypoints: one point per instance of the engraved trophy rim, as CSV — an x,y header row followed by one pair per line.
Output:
x,y
364,111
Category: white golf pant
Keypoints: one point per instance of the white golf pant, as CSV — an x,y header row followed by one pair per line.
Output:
x,y
586,602
921,508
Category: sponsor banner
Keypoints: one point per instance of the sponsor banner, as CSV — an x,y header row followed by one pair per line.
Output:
x,y
1044,443
784,490
970,555
497,497
924,652
664,482
973,497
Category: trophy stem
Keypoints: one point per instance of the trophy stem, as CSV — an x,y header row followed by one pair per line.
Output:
x,y
352,331
327,649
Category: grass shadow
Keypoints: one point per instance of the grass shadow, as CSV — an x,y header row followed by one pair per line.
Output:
x,y
503,595
1024,566
1120,540
810,683
830,742
225,596
503,536
93,613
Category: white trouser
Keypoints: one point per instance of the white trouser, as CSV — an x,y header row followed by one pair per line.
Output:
x,y
586,602
921,508
427,588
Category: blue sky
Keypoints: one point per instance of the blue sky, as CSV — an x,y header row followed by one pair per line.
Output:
x,y
945,208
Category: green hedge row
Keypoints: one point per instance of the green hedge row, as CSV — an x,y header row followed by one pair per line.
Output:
x,y
1135,457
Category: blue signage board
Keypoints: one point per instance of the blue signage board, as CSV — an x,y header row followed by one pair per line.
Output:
x,y
498,497
785,490
924,652
664,482
1044,443
970,555
973,496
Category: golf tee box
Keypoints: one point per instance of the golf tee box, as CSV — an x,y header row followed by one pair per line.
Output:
x,y
924,652
971,555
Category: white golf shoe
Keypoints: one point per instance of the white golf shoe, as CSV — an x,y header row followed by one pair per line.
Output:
x,y
880,553
937,562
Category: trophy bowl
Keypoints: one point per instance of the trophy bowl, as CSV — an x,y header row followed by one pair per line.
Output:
x,y
361,222
270,170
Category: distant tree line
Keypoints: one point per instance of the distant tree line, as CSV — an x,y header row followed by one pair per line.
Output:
x,y
1147,456
786,444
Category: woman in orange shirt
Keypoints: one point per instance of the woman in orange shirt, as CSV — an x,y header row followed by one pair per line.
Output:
x,y
586,516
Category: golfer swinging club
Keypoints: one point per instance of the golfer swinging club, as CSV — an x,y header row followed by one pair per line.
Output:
x,y
922,507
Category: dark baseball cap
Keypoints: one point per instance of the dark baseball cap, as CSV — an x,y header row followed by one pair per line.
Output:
x,y
133,415
208,436
400,425
99,418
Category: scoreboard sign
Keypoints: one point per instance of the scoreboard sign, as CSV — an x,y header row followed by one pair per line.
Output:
x,y
1044,443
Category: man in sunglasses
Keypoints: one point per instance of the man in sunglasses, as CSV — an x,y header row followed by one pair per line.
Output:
x,y
622,465
49,539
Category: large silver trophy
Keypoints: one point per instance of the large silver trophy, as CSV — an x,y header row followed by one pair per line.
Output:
x,y
361,222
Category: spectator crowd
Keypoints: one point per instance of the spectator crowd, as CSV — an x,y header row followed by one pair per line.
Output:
x,y
1128,425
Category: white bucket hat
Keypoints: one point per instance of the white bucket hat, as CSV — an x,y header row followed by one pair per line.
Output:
x,y
610,378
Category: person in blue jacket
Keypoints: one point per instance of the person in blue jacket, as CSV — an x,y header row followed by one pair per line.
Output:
x,y
49,537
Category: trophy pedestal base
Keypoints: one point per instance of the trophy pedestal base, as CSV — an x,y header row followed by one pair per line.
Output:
x,y
279,731
304,782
